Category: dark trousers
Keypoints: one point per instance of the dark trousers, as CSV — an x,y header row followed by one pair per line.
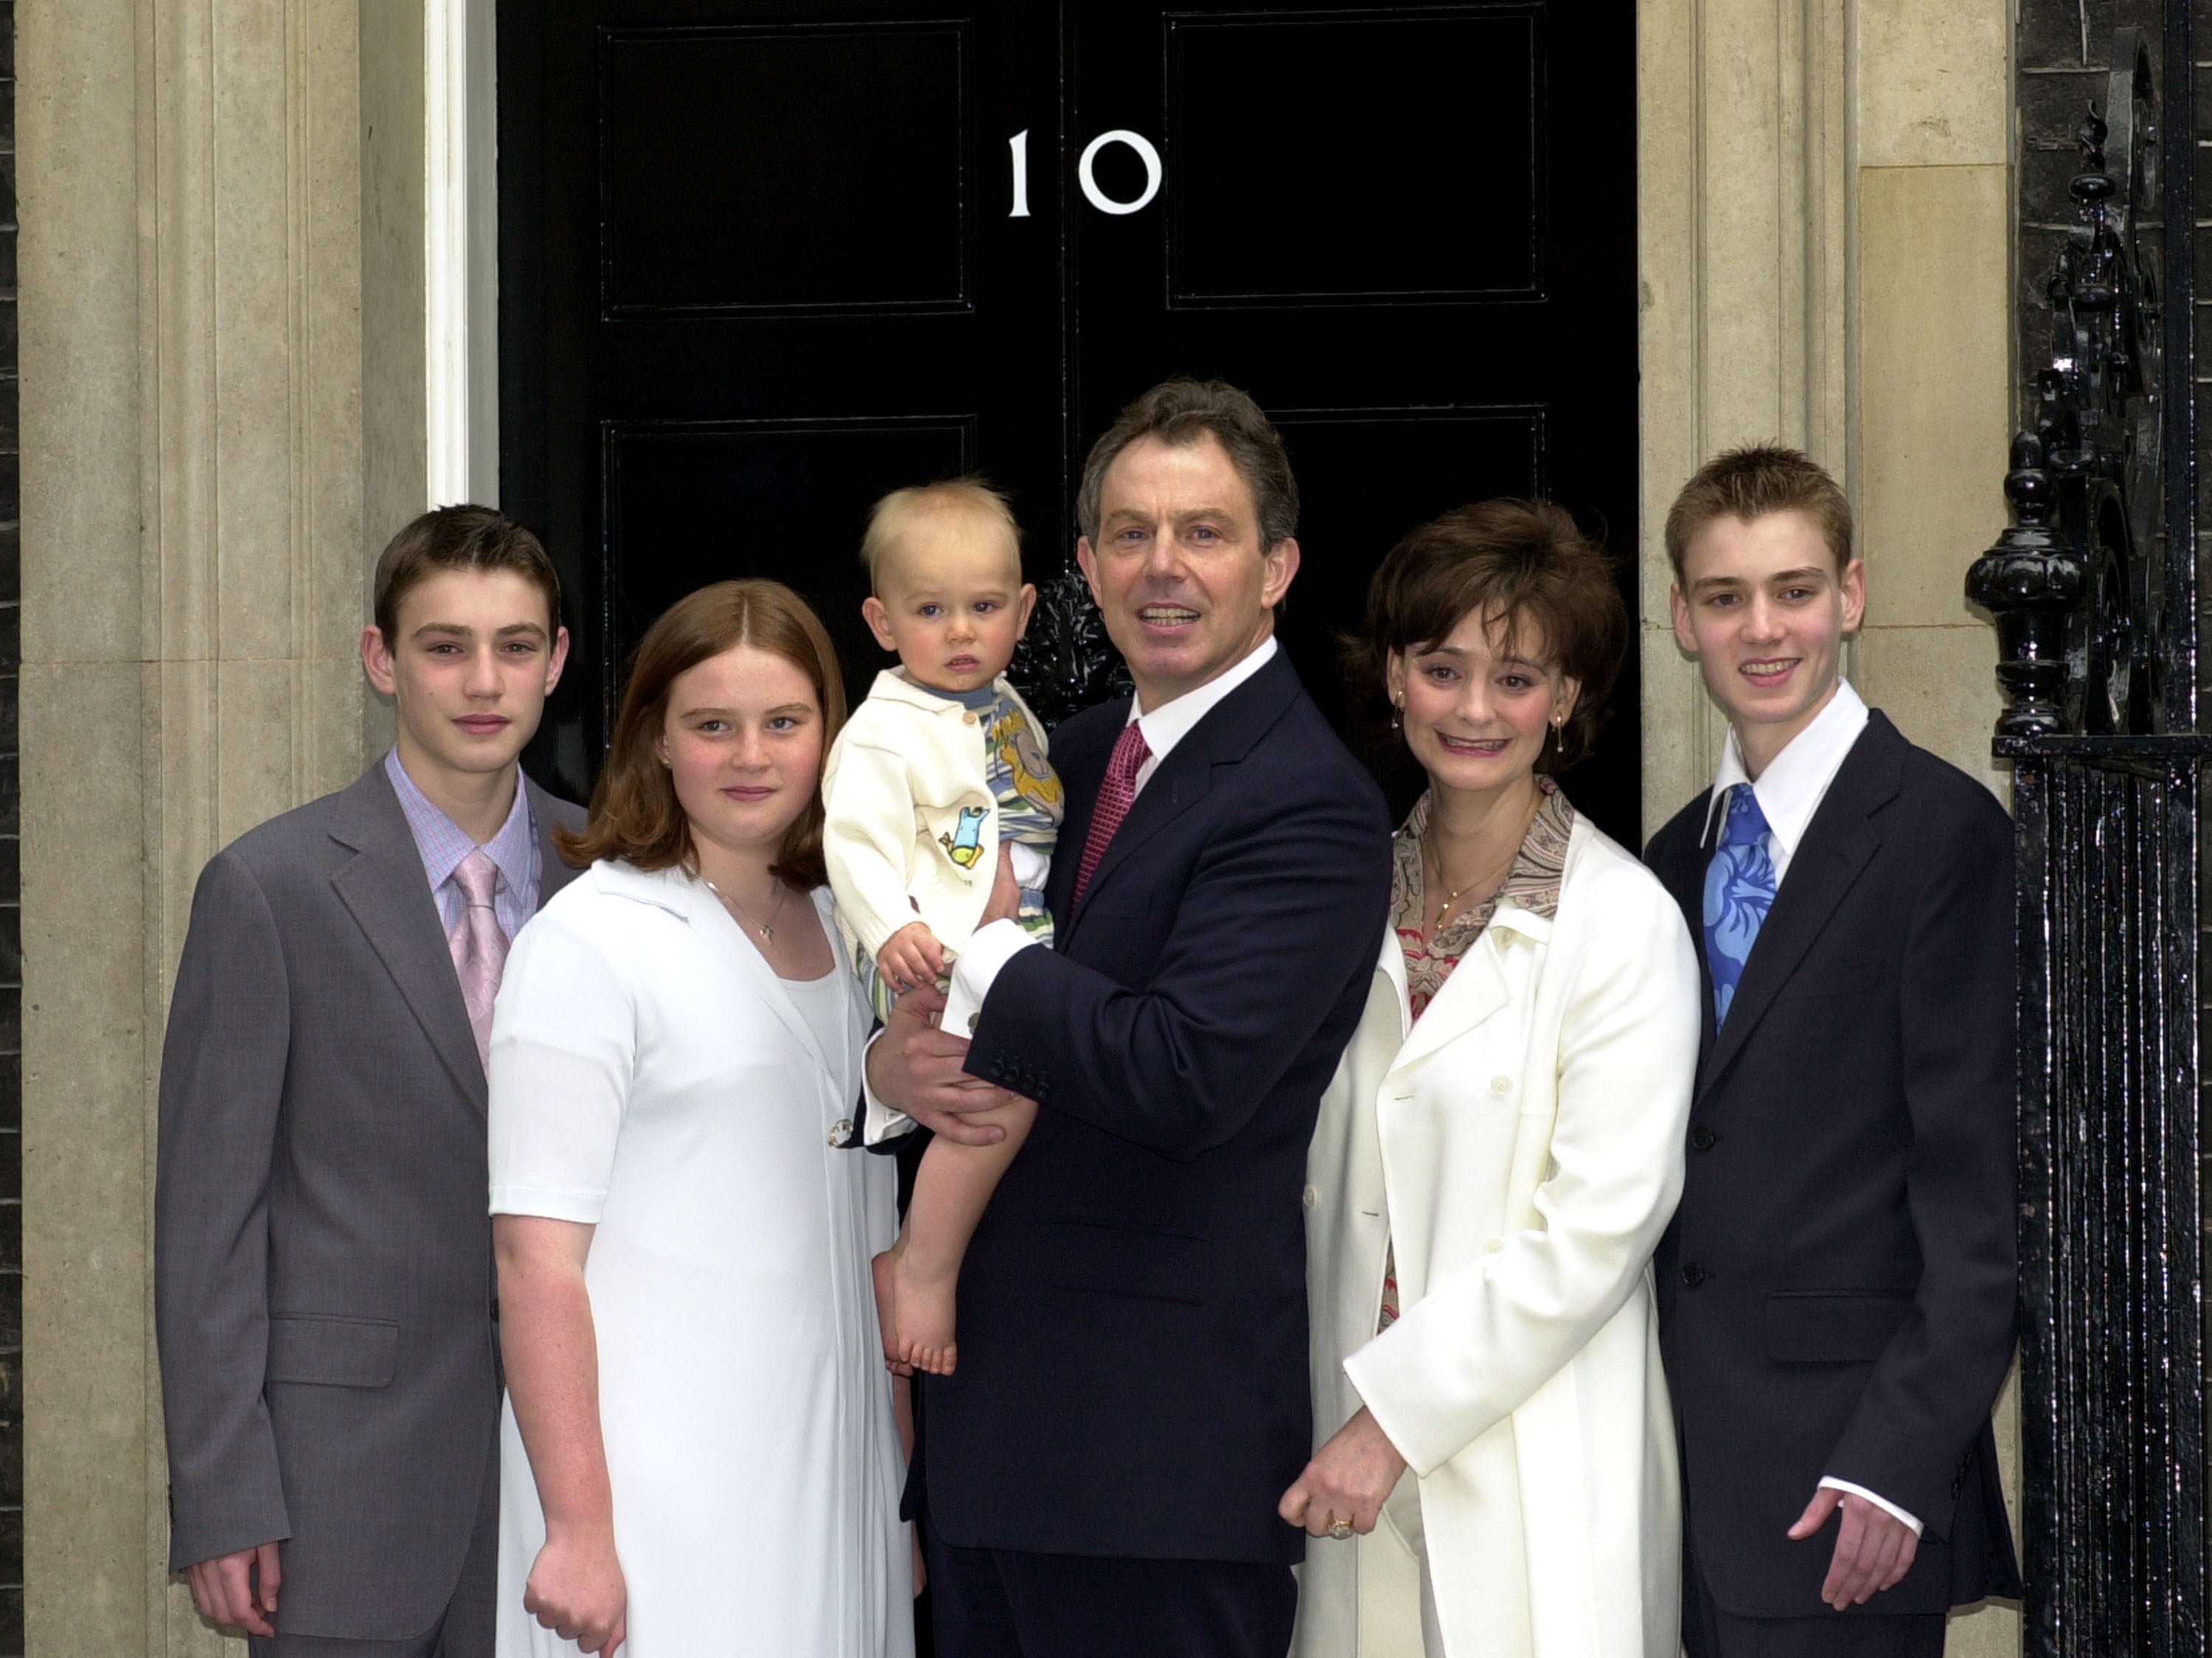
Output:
x,y
1002,1603
1710,1632
465,1630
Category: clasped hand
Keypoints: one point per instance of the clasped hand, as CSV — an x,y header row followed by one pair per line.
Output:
x,y
1349,1479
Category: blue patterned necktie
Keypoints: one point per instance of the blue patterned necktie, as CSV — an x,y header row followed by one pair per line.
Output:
x,y
1739,891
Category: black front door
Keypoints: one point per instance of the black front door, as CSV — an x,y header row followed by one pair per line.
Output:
x,y
762,262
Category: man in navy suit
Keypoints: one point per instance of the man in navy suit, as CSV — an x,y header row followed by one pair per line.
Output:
x,y
1130,1399
1837,1293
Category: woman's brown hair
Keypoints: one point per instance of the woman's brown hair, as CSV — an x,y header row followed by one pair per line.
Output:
x,y
636,815
1514,564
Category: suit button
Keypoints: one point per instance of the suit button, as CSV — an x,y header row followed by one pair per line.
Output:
x,y
1693,1274
1501,1085
1311,1197
1702,1139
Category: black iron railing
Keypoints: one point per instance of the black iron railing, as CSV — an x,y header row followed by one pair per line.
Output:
x,y
2094,589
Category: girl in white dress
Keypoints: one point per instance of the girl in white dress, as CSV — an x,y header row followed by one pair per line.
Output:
x,y
698,1455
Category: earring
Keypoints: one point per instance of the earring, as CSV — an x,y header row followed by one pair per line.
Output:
x,y
1397,712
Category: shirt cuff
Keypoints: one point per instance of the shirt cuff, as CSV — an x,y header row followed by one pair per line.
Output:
x,y
1832,1484
878,1122
977,970
1032,866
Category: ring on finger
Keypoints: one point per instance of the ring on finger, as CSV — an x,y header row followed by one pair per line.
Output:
x,y
1339,1529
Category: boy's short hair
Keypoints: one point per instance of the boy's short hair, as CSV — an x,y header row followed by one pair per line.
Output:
x,y
458,537
1750,483
891,516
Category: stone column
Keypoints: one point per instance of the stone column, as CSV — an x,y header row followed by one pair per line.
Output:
x,y
1744,181
1933,402
1825,257
192,192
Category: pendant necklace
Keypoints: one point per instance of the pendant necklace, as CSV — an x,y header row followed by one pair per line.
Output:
x,y
1452,895
766,932
1496,873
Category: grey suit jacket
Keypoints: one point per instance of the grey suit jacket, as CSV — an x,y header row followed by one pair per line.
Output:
x,y
322,1253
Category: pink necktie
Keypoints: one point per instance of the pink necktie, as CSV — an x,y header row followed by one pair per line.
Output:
x,y
479,947
1113,797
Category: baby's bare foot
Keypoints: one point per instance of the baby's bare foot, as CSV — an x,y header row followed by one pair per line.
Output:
x,y
921,1316
886,1276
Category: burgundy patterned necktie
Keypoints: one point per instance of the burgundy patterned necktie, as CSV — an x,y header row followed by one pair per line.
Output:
x,y
1113,797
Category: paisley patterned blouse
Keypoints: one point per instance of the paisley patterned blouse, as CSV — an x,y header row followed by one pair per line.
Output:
x,y
1533,883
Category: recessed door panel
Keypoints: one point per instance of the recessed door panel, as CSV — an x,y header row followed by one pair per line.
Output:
x,y
691,502
765,260
1367,476
790,168
1398,160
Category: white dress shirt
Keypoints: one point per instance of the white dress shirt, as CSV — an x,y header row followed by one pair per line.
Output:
x,y
1796,781
1789,791
990,948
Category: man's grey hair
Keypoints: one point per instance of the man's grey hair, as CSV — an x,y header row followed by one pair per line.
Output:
x,y
1181,411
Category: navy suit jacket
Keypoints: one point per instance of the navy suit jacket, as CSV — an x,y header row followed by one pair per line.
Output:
x,y
1132,1311
1837,1291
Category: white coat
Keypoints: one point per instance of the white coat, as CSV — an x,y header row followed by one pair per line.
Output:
x,y
1525,1141
899,778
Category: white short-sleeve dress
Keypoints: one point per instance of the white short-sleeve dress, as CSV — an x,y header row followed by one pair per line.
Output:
x,y
651,1076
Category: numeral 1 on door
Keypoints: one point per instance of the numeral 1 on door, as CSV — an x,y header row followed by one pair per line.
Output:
x,y
1019,143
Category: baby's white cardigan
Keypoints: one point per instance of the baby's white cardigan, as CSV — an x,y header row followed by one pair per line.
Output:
x,y
898,776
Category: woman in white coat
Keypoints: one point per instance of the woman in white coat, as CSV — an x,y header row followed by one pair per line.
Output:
x,y
698,1456
1499,1152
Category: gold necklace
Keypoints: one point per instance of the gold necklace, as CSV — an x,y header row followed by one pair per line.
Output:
x,y
766,932
1452,895
1496,873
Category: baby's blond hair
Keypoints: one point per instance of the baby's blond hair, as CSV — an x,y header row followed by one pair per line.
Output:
x,y
895,511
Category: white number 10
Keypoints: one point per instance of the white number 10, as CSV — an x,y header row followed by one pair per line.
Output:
x,y
1019,145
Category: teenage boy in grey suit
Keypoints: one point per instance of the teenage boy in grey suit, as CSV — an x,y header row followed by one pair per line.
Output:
x,y
323,1278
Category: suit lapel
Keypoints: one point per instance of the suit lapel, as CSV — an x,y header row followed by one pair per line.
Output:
x,y
714,926
1476,989
1183,777
1839,844
1222,737
384,889
554,871
1683,873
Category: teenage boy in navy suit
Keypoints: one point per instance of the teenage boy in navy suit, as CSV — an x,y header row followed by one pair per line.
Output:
x,y
1130,1399
1837,1292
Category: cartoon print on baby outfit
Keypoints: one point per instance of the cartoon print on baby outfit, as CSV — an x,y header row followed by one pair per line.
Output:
x,y
965,844
1014,742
